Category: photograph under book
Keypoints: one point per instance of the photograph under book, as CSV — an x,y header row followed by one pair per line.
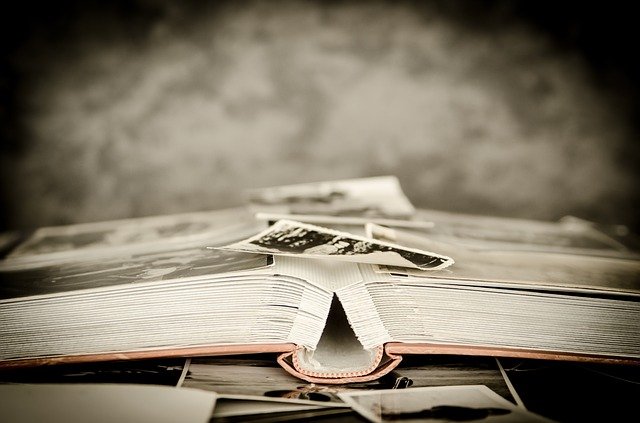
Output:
x,y
329,320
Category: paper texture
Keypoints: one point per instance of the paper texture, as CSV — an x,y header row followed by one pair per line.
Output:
x,y
90,241
247,405
104,403
125,271
474,403
524,269
343,220
365,197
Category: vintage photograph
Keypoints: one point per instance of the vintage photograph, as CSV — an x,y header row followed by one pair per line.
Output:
x,y
256,384
287,237
184,263
569,234
240,407
254,375
469,403
318,219
168,169
148,234
371,197
536,270
261,376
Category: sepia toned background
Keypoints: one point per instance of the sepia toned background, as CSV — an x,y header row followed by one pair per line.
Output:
x,y
150,107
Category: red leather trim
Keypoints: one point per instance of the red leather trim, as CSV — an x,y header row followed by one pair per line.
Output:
x,y
339,378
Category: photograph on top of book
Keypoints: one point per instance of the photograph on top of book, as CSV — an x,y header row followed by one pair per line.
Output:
x,y
291,238
380,196
85,241
539,270
179,265
567,235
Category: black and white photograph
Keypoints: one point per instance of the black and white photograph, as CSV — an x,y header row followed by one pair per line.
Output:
x,y
260,376
138,268
286,237
468,403
256,376
380,197
568,234
155,233
244,385
194,180
610,271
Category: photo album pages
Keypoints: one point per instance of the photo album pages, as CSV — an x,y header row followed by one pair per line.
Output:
x,y
340,278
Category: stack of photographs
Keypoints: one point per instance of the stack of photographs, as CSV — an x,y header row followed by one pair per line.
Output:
x,y
253,388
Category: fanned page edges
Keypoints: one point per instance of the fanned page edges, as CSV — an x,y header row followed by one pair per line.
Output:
x,y
291,238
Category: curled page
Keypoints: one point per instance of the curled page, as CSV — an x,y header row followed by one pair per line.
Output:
x,y
291,238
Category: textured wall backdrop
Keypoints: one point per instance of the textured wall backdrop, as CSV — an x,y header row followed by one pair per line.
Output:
x,y
157,107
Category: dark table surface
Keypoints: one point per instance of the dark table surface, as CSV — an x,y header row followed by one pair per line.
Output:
x,y
563,391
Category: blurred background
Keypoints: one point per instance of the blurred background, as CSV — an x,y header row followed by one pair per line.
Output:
x,y
123,109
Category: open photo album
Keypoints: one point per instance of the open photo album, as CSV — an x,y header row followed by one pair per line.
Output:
x,y
338,303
